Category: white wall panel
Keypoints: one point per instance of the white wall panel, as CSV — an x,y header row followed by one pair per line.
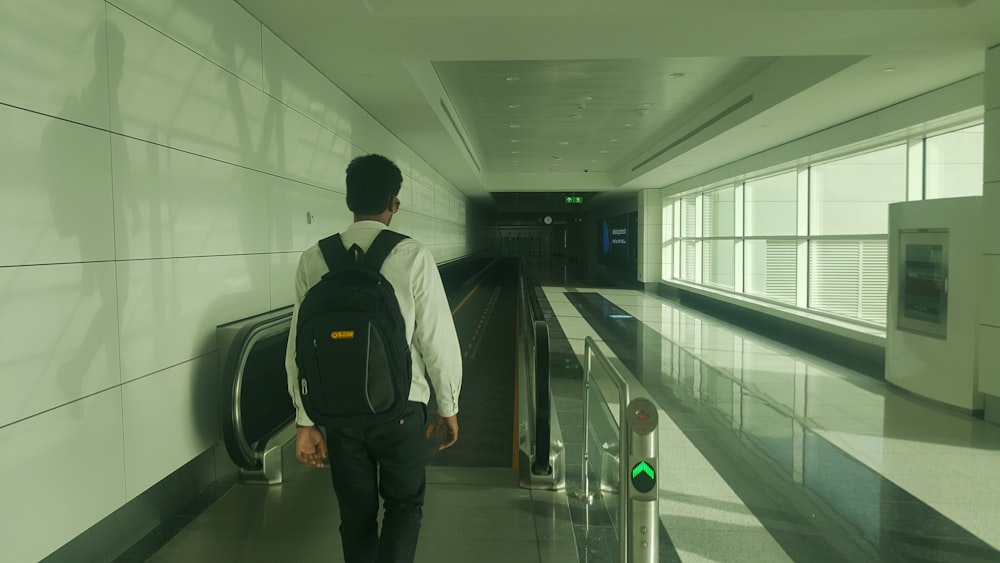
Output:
x,y
423,198
992,78
291,79
991,146
169,95
222,32
301,149
169,308
402,222
54,58
62,471
991,228
283,266
170,417
406,193
174,204
291,205
58,336
55,177
989,305
989,360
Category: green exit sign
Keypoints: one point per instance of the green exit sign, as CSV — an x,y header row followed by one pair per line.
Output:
x,y
574,199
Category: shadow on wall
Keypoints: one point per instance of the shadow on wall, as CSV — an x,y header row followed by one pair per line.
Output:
x,y
71,223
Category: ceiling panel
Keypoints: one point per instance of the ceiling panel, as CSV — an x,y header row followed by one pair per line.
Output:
x,y
540,116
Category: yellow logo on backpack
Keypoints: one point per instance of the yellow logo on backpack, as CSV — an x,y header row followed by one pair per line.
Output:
x,y
342,334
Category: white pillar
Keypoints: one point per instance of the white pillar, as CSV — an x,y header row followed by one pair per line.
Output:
x,y
650,260
989,330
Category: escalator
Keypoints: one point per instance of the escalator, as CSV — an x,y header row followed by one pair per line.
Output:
x,y
496,329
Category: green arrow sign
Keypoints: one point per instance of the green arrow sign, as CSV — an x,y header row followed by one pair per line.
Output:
x,y
643,467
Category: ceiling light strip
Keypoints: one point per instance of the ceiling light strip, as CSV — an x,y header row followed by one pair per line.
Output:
x,y
460,136
696,130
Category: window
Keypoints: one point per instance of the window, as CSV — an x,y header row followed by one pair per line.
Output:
x,y
719,262
749,238
770,207
852,196
720,213
667,231
953,164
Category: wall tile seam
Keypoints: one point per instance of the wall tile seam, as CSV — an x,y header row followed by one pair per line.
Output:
x,y
204,57
46,264
122,385
147,259
329,188
361,108
60,406
269,95
125,382
202,256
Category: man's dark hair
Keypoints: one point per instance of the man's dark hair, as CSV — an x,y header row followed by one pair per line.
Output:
x,y
372,180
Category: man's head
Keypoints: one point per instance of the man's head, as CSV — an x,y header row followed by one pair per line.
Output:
x,y
373,182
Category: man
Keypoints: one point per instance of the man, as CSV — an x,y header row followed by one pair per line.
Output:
x,y
387,458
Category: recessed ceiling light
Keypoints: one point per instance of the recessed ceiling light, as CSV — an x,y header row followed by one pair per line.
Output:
x,y
515,152
646,105
613,140
594,160
513,106
628,125
677,75
513,126
584,99
603,152
576,115
889,69
563,143
515,140
512,78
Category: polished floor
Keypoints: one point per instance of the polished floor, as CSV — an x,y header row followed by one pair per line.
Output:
x,y
766,454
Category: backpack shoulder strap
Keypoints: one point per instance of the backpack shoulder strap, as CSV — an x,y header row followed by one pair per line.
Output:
x,y
381,247
333,251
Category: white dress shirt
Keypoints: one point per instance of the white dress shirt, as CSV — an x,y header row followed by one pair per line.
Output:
x,y
430,330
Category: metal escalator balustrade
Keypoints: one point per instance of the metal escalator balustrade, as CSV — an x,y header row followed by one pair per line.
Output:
x,y
542,451
258,417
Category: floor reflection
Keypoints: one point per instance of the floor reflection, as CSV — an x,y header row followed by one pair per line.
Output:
x,y
779,430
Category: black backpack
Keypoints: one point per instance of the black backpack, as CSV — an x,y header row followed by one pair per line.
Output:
x,y
350,346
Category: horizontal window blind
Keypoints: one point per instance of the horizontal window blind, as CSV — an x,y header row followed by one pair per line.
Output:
x,y
771,268
849,278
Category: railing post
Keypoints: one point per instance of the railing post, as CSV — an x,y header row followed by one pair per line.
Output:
x,y
638,499
641,539
584,479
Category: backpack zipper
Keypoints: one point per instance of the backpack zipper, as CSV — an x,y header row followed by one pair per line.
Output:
x,y
305,387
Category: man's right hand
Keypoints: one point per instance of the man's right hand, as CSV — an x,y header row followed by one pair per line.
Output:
x,y
448,425
310,446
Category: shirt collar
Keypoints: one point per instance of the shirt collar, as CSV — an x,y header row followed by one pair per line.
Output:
x,y
358,225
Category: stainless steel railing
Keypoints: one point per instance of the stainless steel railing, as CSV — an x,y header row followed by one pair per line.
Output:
x,y
637,460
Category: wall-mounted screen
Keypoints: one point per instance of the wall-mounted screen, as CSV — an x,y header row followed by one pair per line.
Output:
x,y
619,239
923,282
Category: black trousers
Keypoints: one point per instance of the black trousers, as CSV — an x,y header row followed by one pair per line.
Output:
x,y
386,460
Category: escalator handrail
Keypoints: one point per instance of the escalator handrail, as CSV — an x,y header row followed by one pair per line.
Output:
x,y
542,408
244,454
